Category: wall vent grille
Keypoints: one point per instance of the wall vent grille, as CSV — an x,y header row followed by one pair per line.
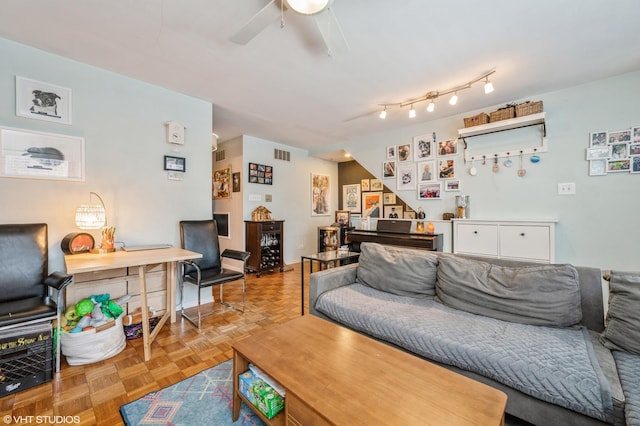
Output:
x,y
280,154
220,156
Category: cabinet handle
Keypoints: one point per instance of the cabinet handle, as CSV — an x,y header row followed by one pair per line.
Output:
x,y
522,234
475,232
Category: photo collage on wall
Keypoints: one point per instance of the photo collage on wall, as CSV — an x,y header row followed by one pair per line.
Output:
x,y
614,152
259,173
426,165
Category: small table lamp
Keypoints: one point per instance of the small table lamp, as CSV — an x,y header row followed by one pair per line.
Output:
x,y
94,216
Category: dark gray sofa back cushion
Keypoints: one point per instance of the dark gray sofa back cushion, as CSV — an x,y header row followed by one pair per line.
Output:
x,y
623,317
397,270
538,295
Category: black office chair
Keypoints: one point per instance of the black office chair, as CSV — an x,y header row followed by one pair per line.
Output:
x,y
25,283
201,236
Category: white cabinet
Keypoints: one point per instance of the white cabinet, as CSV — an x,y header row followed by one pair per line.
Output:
x,y
511,239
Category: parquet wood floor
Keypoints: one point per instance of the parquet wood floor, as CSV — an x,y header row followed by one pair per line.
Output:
x,y
94,393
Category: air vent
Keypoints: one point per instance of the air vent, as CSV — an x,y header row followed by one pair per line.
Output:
x,y
220,155
280,154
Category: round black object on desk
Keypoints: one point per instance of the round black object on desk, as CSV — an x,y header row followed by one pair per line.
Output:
x,y
77,242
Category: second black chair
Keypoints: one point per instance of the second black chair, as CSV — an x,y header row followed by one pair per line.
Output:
x,y
201,236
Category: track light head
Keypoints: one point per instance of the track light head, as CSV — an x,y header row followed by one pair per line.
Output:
x,y
488,86
412,112
454,99
431,107
383,113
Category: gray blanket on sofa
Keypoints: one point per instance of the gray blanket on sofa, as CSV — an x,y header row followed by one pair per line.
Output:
x,y
556,365
629,371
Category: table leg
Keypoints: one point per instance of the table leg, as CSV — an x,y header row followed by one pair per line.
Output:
x,y
302,284
171,289
146,339
240,365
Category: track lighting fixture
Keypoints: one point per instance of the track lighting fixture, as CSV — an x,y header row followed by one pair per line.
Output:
x,y
433,95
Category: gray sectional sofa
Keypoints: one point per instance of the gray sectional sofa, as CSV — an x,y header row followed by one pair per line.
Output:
x,y
536,332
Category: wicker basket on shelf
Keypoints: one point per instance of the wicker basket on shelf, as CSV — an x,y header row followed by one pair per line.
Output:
x,y
476,120
528,108
502,114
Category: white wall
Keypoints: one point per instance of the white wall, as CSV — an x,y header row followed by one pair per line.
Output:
x,y
122,121
597,226
291,193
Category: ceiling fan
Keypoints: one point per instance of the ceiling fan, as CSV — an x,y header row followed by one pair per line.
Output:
x,y
320,10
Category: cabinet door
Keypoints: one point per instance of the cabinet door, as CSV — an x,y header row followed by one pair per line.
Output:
x,y
525,242
481,239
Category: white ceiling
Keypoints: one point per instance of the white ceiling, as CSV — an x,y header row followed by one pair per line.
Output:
x,y
283,86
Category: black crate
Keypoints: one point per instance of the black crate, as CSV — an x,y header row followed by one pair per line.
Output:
x,y
26,357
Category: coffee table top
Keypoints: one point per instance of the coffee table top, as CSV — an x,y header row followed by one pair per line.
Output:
x,y
330,256
352,379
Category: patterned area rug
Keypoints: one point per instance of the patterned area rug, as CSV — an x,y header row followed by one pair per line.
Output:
x,y
203,399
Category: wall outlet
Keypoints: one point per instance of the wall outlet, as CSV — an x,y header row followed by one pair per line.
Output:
x,y
567,188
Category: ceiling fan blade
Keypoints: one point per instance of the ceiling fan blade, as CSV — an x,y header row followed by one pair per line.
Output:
x,y
270,13
331,32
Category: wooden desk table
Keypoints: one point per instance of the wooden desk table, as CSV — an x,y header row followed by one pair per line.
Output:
x,y
143,259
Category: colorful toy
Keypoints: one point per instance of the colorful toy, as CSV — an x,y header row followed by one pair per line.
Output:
x,y
91,312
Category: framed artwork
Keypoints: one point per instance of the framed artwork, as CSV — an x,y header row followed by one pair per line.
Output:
x,y
375,185
634,149
175,164
635,164
371,204
619,150
364,183
388,169
406,176
619,136
221,181
597,139
427,171
343,217
452,185
236,182
260,173
388,198
410,215
223,224
43,101
635,135
404,152
39,155
599,152
598,167
320,194
351,198
447,169
391,152
614,166
423,146
449,147
429,191
393,212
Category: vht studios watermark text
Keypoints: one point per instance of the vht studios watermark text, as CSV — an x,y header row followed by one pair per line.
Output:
x,y
41,420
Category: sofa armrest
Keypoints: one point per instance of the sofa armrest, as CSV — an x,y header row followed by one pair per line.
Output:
x,y
323,281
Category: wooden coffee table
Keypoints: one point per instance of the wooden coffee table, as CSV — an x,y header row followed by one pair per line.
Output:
x,y
333,375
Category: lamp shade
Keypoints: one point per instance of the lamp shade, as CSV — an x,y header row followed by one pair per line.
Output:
x,y
90,216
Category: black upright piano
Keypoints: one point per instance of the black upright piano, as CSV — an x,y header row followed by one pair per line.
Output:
x,y
395,233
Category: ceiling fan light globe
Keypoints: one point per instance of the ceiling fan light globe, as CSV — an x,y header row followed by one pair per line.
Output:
x,y
308,7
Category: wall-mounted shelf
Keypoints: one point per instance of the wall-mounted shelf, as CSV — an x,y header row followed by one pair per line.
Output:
x,y
501,126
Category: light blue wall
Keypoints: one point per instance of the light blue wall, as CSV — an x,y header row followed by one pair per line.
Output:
x,y
598,225
291,193
122,121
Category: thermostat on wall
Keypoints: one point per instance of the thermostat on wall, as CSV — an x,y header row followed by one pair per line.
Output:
x,y
175,132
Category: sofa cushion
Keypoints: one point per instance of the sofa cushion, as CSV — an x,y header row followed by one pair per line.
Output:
x,y
538,295
623,320
397,270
